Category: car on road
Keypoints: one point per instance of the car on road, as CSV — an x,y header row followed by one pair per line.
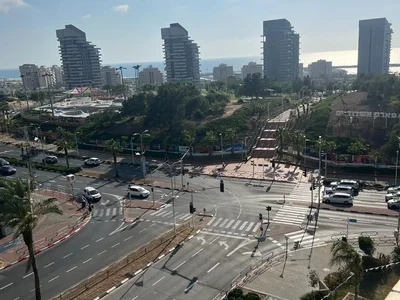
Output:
x,y
338,198
393,190
3,162
341,189
50,159
93,161
7,170
354,184
137,191
91,194
393,204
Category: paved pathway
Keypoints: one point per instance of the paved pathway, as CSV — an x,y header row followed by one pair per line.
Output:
x,y
50,231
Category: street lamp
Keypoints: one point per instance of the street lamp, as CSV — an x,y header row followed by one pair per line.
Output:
x,y
144,133
222,150
39,125
397,160
133,155
304,152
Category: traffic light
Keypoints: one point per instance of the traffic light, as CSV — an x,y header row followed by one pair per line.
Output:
x,y
313,186
344,239
273,164
305,173
268,208
221,186
260,216
191,208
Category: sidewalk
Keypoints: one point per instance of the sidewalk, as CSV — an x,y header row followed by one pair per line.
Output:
x,y
293,282
51,230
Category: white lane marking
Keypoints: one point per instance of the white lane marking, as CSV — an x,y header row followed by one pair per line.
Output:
x,y
16,298
71,269
67,255
223,223
52,263
87,261
128,238
214,240
102,252
142,230
53,278
236,224
197,252
158,280
27,275
114,212
243,225
216,265
135,297
152,225
249,227
218,221
229,224
84,247
100,239
115,245
178,265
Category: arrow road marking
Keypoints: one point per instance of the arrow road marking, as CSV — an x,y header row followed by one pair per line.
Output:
x,y
203,241
224,244
105,203
257,253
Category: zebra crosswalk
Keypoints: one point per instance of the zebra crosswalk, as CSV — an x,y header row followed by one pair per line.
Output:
x,y
107,212
291,215
304,239
167,213
232,227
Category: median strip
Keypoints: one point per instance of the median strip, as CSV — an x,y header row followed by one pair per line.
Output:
x,y
121,271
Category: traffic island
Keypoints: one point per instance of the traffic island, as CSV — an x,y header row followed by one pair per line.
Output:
x,y
118,273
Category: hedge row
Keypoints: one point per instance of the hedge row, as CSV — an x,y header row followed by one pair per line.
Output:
x,y
53,168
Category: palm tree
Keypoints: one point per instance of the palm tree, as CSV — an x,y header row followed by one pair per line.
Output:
x,y
231,136
23,214
64,142
281,135
137,68
189,136
114,147
210,140
346,256
298,141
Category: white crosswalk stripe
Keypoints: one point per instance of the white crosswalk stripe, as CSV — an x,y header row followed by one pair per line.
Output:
x,y
305,239
106,212
291,215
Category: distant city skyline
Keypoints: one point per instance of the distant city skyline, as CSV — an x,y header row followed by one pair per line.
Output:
x,y
130,31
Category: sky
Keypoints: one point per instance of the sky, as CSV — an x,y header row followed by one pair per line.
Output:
x,y
130,30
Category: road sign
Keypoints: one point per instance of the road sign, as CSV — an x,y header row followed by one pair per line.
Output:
x,y
352,220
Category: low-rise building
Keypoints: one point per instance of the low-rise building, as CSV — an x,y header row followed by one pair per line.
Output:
x,y
31,76
251,68
111,76
222,72
151,75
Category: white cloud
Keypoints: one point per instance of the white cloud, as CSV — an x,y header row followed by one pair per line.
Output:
x,y
88,16
121,8
6,5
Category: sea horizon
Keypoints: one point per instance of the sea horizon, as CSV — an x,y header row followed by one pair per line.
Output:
x,y
341,58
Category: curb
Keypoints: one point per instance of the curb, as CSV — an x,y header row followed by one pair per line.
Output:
x,y
63,238
144,268
355,211
249,178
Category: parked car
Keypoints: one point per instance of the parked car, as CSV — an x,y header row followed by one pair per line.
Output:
x,y
3,162
7,170
393,204
393,190
50,159
391,196
137,191
93,161
354,184
341,189
339,198
91,194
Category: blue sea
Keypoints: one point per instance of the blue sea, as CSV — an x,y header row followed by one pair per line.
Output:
x,y
207,66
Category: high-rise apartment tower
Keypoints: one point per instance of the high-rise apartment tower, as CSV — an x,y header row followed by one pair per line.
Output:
x,y
281,50
80,59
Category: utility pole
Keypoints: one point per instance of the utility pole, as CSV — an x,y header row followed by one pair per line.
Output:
x,y
28,155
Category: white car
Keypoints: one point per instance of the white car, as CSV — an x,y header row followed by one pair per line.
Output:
x,y
137,191
393,190
339,198
391,196
93,161
91,194
393,204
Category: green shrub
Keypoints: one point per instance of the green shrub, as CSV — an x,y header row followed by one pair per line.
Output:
x,y
53,168
366,244
314,295
334,279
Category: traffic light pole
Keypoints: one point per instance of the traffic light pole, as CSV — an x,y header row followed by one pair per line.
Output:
x,y
191,199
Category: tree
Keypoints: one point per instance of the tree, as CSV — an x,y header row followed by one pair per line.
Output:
x,y
64,142
210,140
358,147
231,135
281,135
396,254
345,255
114,147
366,244
23,214
189,136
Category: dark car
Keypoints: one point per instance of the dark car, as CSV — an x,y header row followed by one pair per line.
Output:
x,y
7,170
3,162
51,159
